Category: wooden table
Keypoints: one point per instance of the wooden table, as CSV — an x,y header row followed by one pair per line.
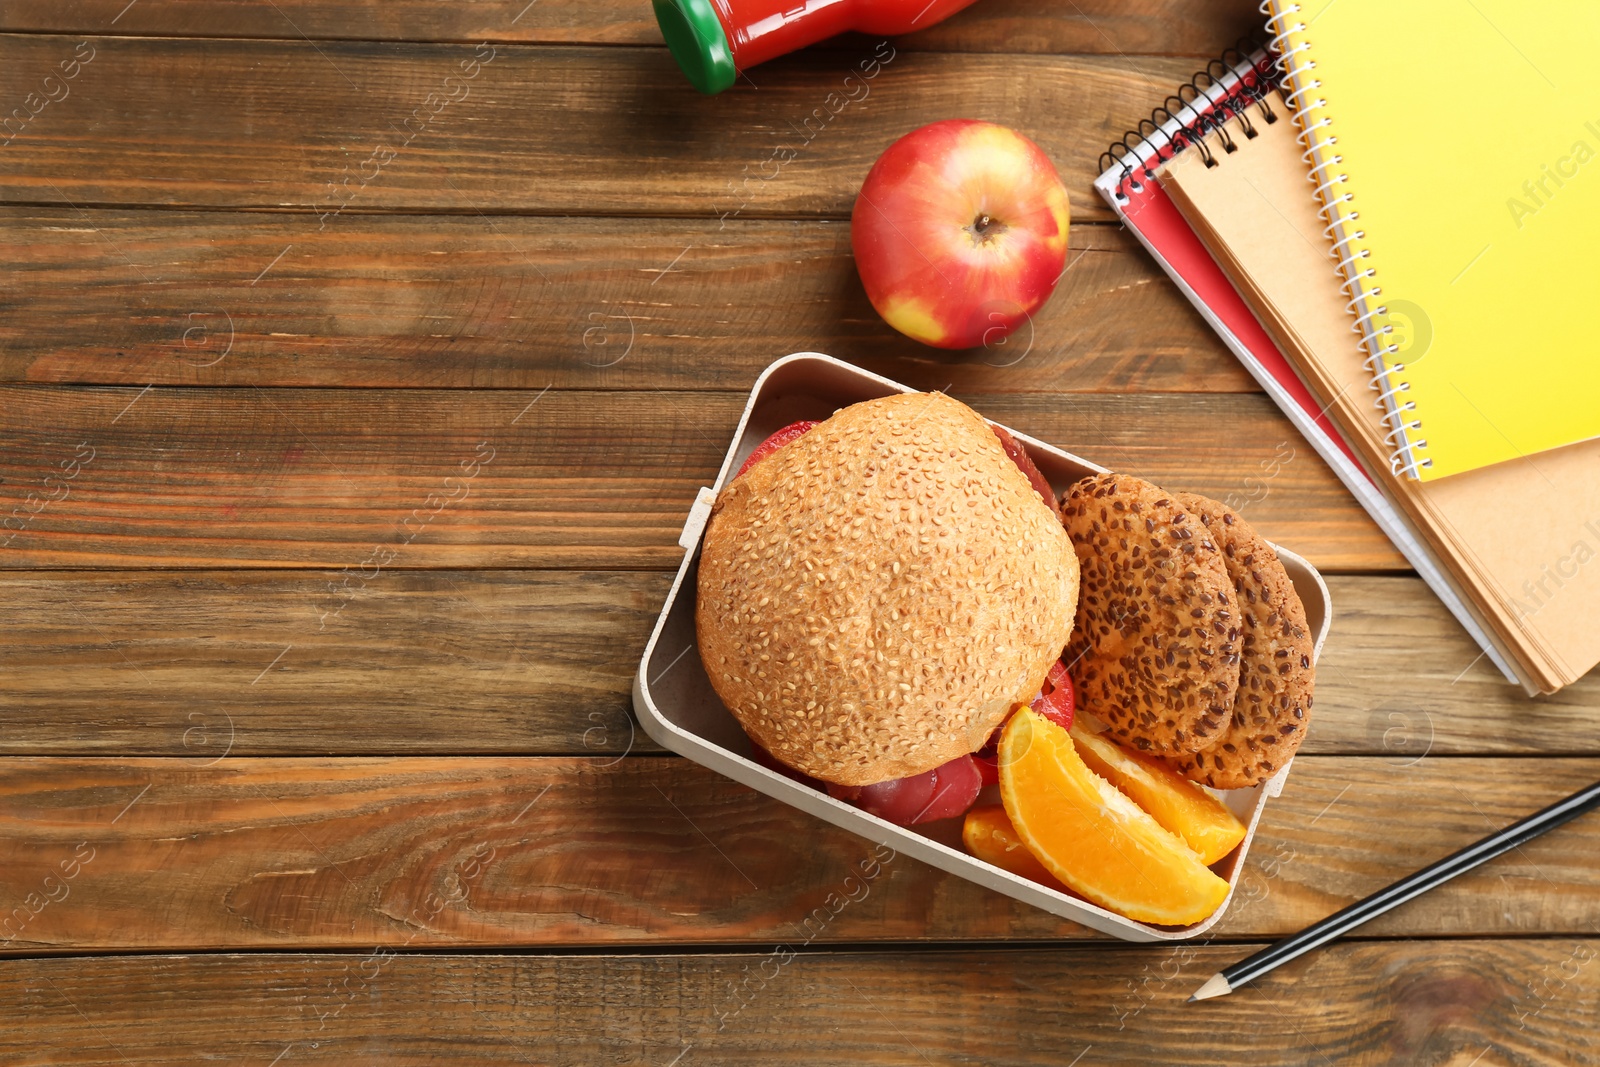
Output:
x,y
360,362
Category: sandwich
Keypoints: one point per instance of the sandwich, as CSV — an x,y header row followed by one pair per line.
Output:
x,y
880,590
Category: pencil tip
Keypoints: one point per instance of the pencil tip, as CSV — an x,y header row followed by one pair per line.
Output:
x,y
1216,986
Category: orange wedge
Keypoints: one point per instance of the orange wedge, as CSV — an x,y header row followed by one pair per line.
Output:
x,y
989,835
1204,822
1094,839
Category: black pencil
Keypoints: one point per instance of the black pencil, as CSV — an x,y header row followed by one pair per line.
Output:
x,y
1438,873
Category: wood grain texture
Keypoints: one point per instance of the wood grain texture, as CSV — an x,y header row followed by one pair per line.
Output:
x,y
1089,26
227,298
540,663
1423,1004
201,664
364,479
410,852
286,125
441,576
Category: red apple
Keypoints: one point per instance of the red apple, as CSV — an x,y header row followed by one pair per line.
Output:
x,y
960,232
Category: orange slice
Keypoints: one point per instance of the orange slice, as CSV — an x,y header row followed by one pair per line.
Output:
x,y
1094,839
1204,822
989,835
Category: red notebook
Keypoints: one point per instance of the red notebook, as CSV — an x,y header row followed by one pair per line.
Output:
x,y
1229,96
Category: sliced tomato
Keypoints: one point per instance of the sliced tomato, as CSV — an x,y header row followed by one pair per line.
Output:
x,y
1059,707
1059,677
1025,464
1059,703
945,792
988,767
775,442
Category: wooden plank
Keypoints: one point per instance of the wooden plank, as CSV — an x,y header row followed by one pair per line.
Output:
x,y
1399,676
356,479
322,129
186,854
205,664
1355,1005
225,298
364,478
1163,27
540,662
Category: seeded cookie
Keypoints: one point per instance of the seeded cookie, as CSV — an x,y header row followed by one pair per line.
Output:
x,y
1273,703
1155,652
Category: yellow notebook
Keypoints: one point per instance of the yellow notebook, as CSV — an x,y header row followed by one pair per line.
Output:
x,y
1455,148
1519,542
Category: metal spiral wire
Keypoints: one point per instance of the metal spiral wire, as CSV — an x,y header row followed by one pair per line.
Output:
x,y
1338,210
1218,104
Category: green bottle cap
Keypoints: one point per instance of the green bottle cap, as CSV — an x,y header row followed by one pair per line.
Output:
x,y
696,39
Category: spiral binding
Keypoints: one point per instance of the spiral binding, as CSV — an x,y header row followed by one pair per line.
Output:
x,y
1224,104
1338,213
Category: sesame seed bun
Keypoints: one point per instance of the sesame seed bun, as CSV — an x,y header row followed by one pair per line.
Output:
x,y
876,595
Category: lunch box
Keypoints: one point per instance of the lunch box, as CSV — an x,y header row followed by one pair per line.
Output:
x,y
678,708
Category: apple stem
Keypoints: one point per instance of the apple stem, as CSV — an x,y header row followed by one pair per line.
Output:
x,y
985,228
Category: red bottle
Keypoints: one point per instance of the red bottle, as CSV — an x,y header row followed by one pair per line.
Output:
x,y
713,40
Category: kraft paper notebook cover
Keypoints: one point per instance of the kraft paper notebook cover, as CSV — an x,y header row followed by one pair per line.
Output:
x,y
1229,93
1521,537
1455,146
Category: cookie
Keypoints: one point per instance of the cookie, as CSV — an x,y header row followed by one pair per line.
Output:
x,y
1155,652
1273,704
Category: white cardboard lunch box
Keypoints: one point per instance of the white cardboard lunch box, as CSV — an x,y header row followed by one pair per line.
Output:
x,y
679,709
